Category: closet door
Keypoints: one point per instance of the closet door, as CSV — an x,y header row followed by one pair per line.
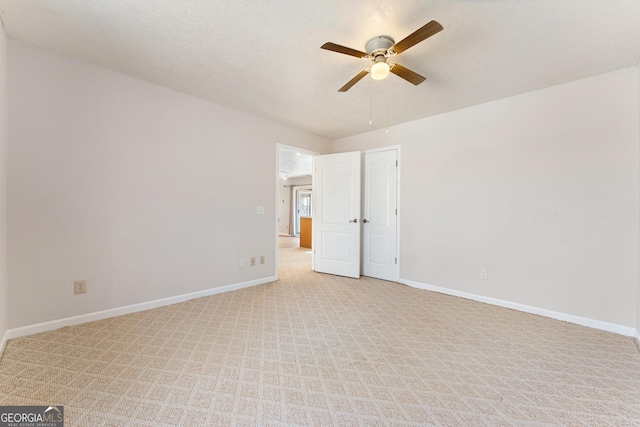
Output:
x,y
336,219
379,219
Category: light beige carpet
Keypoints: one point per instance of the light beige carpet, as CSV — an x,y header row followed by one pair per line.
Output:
x,y
320,350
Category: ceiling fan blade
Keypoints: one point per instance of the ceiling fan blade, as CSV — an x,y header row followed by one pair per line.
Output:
x,y
341,49
354,80
417,36
407,74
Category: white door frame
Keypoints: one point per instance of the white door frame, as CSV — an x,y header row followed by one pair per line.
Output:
x,y
280,146
314,153
398,204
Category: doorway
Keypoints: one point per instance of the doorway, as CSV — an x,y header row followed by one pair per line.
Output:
x,y
376,211
294,177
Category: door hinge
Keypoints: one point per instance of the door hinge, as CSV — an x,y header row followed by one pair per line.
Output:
x,y
396,211
396,163
396,260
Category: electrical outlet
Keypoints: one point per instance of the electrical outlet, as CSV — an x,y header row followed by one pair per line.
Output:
x,y
80,287
243,263
484,275
260,210
253,262
261,259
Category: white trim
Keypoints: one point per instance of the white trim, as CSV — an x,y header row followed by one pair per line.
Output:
x,y
381,149
3,342
276,260
294,198
399,206
591,323
105,314
127,309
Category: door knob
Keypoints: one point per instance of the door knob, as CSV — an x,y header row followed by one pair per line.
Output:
x,y
354,220
365,221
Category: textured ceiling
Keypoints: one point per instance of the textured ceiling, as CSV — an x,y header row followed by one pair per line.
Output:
x,y
294,164
264,57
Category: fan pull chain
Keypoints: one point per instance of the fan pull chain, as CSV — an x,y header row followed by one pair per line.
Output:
x,y
370,101
388,104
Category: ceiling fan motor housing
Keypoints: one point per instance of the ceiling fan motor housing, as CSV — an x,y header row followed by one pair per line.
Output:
x,y
379,45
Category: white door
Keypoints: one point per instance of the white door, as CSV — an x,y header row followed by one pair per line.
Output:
x,y
336,219
379,218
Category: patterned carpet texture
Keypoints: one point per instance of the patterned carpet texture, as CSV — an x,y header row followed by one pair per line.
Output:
x,y
314,349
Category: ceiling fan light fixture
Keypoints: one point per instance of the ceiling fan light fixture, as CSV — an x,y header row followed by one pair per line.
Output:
x,y
379,71
379,49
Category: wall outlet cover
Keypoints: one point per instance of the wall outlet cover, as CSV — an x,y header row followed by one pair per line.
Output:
x,y
79,287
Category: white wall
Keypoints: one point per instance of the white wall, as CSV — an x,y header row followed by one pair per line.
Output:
x,y
3,187
540,189
144,192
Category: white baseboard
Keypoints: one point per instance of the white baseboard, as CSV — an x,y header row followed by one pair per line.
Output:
x,y
127,309
596,324
133,308
3,342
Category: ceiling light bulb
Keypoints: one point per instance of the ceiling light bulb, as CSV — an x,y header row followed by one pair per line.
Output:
x,y
379,71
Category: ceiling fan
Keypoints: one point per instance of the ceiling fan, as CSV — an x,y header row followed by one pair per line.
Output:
x,y
380,49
